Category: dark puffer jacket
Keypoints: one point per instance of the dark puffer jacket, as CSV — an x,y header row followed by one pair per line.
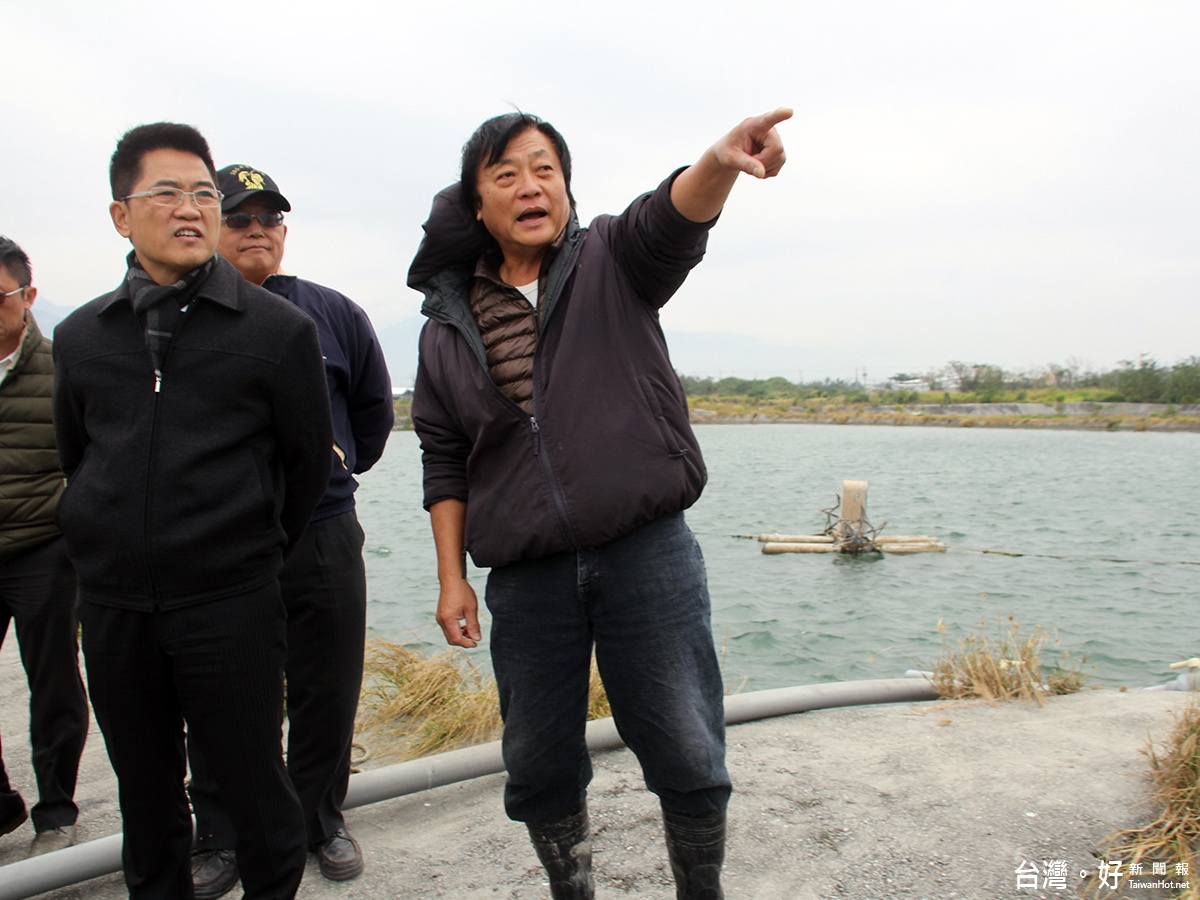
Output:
x,y
608,446
30,479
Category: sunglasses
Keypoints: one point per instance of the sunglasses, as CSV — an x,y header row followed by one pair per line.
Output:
x,y
241,221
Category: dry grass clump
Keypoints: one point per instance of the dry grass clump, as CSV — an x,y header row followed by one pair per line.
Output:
x,y
1006,666
1173,837
598,705
414,704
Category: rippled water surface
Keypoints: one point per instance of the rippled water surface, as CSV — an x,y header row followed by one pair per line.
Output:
x,y
1109,525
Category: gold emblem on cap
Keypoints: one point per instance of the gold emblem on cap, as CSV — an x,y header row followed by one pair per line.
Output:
x,y
251,179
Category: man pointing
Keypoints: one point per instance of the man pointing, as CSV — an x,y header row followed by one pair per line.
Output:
x,y
558,452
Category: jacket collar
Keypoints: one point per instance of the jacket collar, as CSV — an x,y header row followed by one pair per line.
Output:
x,y
488,265
278,278
220,287
31,339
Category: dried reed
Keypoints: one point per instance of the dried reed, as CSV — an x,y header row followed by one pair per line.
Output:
x,y
1004,667
1174,836
414,704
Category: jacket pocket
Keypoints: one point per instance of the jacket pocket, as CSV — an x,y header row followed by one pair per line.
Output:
x,y
270,510
62,508
659,399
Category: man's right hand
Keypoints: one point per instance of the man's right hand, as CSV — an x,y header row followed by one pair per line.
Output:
x,y
458,614
458,610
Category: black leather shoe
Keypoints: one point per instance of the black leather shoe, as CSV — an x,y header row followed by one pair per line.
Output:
x,y
339,856
14,820
214,873
12,810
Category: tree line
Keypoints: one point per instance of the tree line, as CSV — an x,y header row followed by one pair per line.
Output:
x,y
1142,381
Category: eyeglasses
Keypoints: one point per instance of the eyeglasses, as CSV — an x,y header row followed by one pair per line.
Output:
x,y
169,196
240,221
19,290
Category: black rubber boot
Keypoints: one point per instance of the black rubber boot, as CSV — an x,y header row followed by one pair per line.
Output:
x,y
696,847
565,849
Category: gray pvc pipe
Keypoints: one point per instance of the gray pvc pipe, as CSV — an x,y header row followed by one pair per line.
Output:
x,y
62,868
51,871
1188,681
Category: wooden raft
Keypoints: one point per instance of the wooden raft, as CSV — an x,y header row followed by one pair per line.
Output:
x,y
849,532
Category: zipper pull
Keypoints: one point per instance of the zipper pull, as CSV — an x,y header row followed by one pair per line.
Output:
x,y
537,440
158,381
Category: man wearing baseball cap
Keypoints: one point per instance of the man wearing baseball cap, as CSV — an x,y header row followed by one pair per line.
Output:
x,y
323,581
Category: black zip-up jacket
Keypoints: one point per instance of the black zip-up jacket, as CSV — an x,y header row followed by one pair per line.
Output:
x,y
608,446
190,492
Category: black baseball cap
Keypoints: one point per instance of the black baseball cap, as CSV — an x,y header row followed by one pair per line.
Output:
x,y
239,183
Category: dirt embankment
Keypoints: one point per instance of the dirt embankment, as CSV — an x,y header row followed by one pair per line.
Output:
x,y
1081,416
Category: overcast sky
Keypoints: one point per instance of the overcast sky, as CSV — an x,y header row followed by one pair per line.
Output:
x,y
1011,183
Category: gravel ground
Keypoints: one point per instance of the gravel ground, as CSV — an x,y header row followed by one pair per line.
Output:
x,y
913,800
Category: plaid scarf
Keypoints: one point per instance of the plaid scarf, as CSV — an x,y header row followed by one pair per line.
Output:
x,y
160,307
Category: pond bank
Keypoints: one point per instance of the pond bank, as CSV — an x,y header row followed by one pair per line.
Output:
x,y
906,800
1077,416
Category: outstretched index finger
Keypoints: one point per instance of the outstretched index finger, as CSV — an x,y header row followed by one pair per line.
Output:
x,y
769,120
762,147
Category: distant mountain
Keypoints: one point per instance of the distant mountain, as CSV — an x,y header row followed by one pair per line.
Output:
x,y
719,354
49,314
399,342
701,354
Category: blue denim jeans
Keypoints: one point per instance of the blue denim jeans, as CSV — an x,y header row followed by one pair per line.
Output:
x,y
642,600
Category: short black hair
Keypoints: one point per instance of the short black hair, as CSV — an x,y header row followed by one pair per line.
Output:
x,y
487,144
15,261
125,168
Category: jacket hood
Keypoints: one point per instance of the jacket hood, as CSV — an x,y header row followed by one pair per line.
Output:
x,y
454,238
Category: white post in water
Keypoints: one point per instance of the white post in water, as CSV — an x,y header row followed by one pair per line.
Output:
x,y
854,510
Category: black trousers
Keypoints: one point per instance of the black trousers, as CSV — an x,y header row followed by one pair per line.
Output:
x,y
324,589
38,593
218,666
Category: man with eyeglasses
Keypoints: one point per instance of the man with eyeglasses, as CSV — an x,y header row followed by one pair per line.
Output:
x,y
193,426
323,582
37,583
